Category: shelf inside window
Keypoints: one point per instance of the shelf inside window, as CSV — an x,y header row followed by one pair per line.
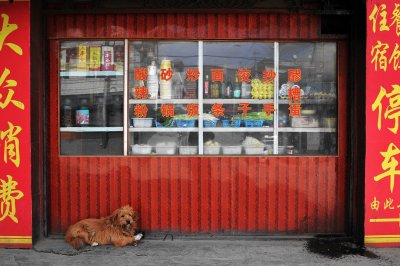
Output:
x,y
91,129
163,129
162,101
307,129
90,73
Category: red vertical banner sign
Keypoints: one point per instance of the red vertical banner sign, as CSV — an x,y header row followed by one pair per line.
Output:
x,y
382,169
15,140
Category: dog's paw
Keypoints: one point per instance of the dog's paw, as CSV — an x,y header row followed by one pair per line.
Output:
x,y
94,244
138,236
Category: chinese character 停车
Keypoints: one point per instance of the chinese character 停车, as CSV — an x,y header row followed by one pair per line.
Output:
x,y
192,74
389,165
217,109
11,147
243,75
8,98
8,196
6,29
393,110
140,110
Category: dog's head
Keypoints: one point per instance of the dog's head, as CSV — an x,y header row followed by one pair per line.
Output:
x,y
125,217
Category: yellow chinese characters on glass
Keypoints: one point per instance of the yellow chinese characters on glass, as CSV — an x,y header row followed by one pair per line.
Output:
x,y
392,111
11,147
8,197
389,165
5,84
7,29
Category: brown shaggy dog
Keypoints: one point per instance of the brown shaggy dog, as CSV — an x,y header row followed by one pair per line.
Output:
x,y
117,229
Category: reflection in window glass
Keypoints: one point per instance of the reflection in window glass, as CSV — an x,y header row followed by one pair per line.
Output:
x,y
91,97
308,123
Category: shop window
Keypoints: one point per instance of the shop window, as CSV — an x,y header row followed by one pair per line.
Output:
x,y
200,98
91,97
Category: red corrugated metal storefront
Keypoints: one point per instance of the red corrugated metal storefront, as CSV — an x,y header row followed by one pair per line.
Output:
x,y
199,194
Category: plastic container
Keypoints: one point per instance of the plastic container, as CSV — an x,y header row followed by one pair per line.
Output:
x,y
158,124
185,123
231,149
166,148
141,149
210,123
142,122
231,123
252,150
188,150
253,122
212,150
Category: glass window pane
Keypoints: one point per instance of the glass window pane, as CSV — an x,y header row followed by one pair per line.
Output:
x,y
91,97
235,97
307,99
163,98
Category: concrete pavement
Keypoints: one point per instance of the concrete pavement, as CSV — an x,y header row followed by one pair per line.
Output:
x,y
199,252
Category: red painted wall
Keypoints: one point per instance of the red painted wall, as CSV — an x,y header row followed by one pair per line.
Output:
x,y
198,194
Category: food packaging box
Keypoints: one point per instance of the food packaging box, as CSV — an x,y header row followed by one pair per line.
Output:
x,y
94,58
82,58
72,58
82,117
119,57
63,59
107,58
304,121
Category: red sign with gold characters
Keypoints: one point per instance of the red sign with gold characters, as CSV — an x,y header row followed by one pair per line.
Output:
x,y
15,159
382,169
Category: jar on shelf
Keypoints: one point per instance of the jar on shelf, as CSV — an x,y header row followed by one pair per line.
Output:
x,y
152,80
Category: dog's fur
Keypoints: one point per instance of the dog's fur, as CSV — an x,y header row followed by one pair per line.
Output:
x,y
117,229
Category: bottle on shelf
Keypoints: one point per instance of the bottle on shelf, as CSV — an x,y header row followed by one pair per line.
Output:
x,y
228,90
152,80
215,89
246,89
66,113
207,91
236,89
